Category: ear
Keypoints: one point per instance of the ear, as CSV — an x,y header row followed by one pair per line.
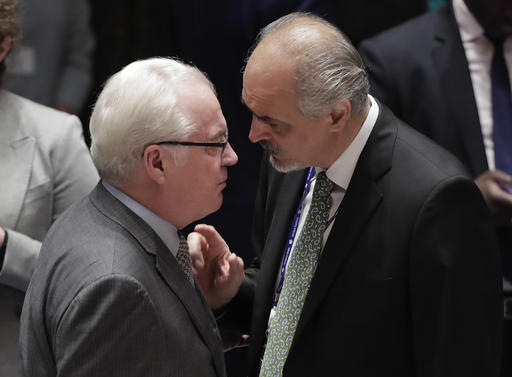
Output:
x,y
340,114
154,164
5,47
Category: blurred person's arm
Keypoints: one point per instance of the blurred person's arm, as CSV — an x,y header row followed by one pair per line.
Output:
x,y
492,184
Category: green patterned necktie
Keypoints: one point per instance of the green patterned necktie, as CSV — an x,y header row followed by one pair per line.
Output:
x,y
299,273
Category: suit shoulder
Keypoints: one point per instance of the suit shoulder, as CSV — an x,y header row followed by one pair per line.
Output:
x,y
97,248
407,36
39,120
92,246
425,156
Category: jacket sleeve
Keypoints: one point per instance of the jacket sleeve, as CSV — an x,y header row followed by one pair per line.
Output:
x,y
74,172
111,328
455,285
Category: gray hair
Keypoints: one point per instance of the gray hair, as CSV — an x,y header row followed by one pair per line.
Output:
x,y
137,107
329,68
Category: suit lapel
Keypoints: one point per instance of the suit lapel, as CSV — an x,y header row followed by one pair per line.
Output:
x,y
450,60
168,268
17,155
194,302
361,200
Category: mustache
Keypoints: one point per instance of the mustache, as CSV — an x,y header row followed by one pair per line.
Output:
x,y
270,147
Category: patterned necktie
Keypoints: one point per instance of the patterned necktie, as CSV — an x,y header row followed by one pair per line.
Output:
x,y
299,273
183,258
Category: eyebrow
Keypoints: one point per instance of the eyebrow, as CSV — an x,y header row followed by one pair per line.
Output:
x,y
267,119
221,133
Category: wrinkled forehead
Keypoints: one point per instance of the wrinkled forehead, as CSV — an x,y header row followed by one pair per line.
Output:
x,y
268,71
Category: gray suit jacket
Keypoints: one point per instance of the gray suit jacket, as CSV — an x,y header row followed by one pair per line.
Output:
x,y
53,65
112,301
44,167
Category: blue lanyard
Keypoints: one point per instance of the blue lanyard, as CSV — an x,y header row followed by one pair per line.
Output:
x,y
292,234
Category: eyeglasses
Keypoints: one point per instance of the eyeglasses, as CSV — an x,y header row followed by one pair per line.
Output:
x,y
214,144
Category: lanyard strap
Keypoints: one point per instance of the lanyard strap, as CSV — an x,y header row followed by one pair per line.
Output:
x,y
292,234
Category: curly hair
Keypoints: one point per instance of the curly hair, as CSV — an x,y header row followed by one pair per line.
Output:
x,y
9,25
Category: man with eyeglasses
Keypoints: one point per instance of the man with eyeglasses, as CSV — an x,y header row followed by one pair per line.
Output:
x,y
113,293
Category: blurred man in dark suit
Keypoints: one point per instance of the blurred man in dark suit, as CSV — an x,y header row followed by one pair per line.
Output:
x,y
447,74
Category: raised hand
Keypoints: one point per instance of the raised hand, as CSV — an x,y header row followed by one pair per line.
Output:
x,y
218,271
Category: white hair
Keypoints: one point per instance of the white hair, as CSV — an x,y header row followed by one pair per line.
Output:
x,y
137,107
329,68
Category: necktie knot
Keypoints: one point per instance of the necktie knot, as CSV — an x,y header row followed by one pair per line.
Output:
x,y
323,185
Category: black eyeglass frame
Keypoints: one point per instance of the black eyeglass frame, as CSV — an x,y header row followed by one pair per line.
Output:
x,y
215,144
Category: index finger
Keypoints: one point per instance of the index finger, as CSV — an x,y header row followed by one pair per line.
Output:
x,y
217,246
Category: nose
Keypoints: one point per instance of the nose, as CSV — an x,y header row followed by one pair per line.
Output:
x,y
229,157
258,131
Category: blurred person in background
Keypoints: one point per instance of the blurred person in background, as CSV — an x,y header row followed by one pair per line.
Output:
x,y
447,74
52,64
44,167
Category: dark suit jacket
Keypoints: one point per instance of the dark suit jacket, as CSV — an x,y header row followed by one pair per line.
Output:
x,y
107,298
408,283
419,69
364,18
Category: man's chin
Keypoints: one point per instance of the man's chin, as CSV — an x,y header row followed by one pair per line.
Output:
x,y
286,166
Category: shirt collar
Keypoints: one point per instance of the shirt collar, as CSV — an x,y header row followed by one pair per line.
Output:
x,y
340,172
469,27
164,229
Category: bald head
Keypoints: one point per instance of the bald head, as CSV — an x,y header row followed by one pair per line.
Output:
x,y
326,67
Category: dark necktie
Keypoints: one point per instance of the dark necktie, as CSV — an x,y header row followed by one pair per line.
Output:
x,y
502,137
183,258
501,109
